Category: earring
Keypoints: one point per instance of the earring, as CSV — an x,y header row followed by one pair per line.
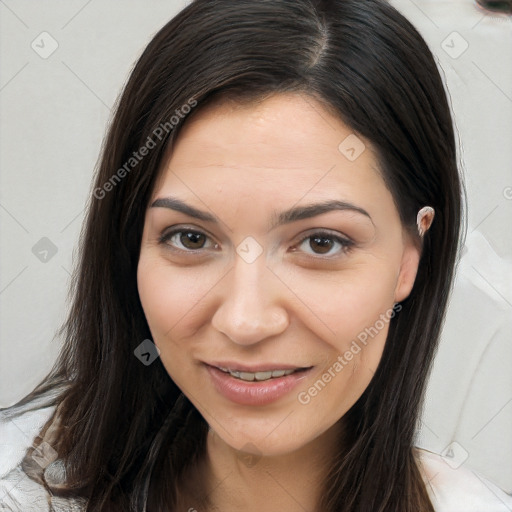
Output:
x,y
424,219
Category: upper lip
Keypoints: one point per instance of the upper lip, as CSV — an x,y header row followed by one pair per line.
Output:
x,y
262,367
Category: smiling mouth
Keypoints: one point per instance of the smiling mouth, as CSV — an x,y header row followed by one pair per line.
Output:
x,y
260,376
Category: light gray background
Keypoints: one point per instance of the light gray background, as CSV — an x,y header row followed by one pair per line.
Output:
x,y
54,113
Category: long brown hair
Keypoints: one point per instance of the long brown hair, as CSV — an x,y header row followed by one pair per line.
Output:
x,y
128,432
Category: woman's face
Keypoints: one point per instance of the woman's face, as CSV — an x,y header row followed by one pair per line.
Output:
x,y
271,244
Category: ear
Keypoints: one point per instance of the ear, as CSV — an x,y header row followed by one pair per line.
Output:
x,y
408,270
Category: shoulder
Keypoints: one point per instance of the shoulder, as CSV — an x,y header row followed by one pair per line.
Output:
x,y
460,489
19,492
17,432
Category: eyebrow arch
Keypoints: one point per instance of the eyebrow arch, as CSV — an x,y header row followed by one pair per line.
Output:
x,y
312,210
180,206
292,215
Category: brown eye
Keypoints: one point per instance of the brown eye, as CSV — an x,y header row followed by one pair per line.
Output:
x,y
187,240
324,244
192,240
321,244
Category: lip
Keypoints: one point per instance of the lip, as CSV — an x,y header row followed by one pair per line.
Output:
x,y
255,392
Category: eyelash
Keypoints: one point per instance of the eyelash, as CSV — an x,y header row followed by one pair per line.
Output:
x,y
345,243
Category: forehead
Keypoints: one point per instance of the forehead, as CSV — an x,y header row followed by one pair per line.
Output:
x,y
284,148
292,129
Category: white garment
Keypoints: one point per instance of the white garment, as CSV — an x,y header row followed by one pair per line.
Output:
x,y
18,492
461,489
451,490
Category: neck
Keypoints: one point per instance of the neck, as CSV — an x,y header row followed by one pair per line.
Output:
x,y
234,481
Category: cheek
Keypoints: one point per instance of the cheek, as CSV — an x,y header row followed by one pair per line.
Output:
x,y
352,311
354,355
340,383
340,305
171,298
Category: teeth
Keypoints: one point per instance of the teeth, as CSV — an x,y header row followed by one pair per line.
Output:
x,y
258,376
262,375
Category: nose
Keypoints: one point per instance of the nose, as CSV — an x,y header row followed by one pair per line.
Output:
x,y
252,306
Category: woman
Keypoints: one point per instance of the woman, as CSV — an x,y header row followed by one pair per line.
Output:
x,y
264,270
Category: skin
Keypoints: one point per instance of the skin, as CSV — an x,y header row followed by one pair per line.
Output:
x,y
291,305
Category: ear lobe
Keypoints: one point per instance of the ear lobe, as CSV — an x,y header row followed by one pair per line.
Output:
x,y
408,271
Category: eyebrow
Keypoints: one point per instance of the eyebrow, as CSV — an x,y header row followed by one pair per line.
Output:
x,y
286,217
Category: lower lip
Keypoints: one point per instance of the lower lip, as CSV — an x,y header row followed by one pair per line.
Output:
x,y
255,392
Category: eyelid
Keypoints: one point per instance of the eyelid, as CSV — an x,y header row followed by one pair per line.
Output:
x,y
342,238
